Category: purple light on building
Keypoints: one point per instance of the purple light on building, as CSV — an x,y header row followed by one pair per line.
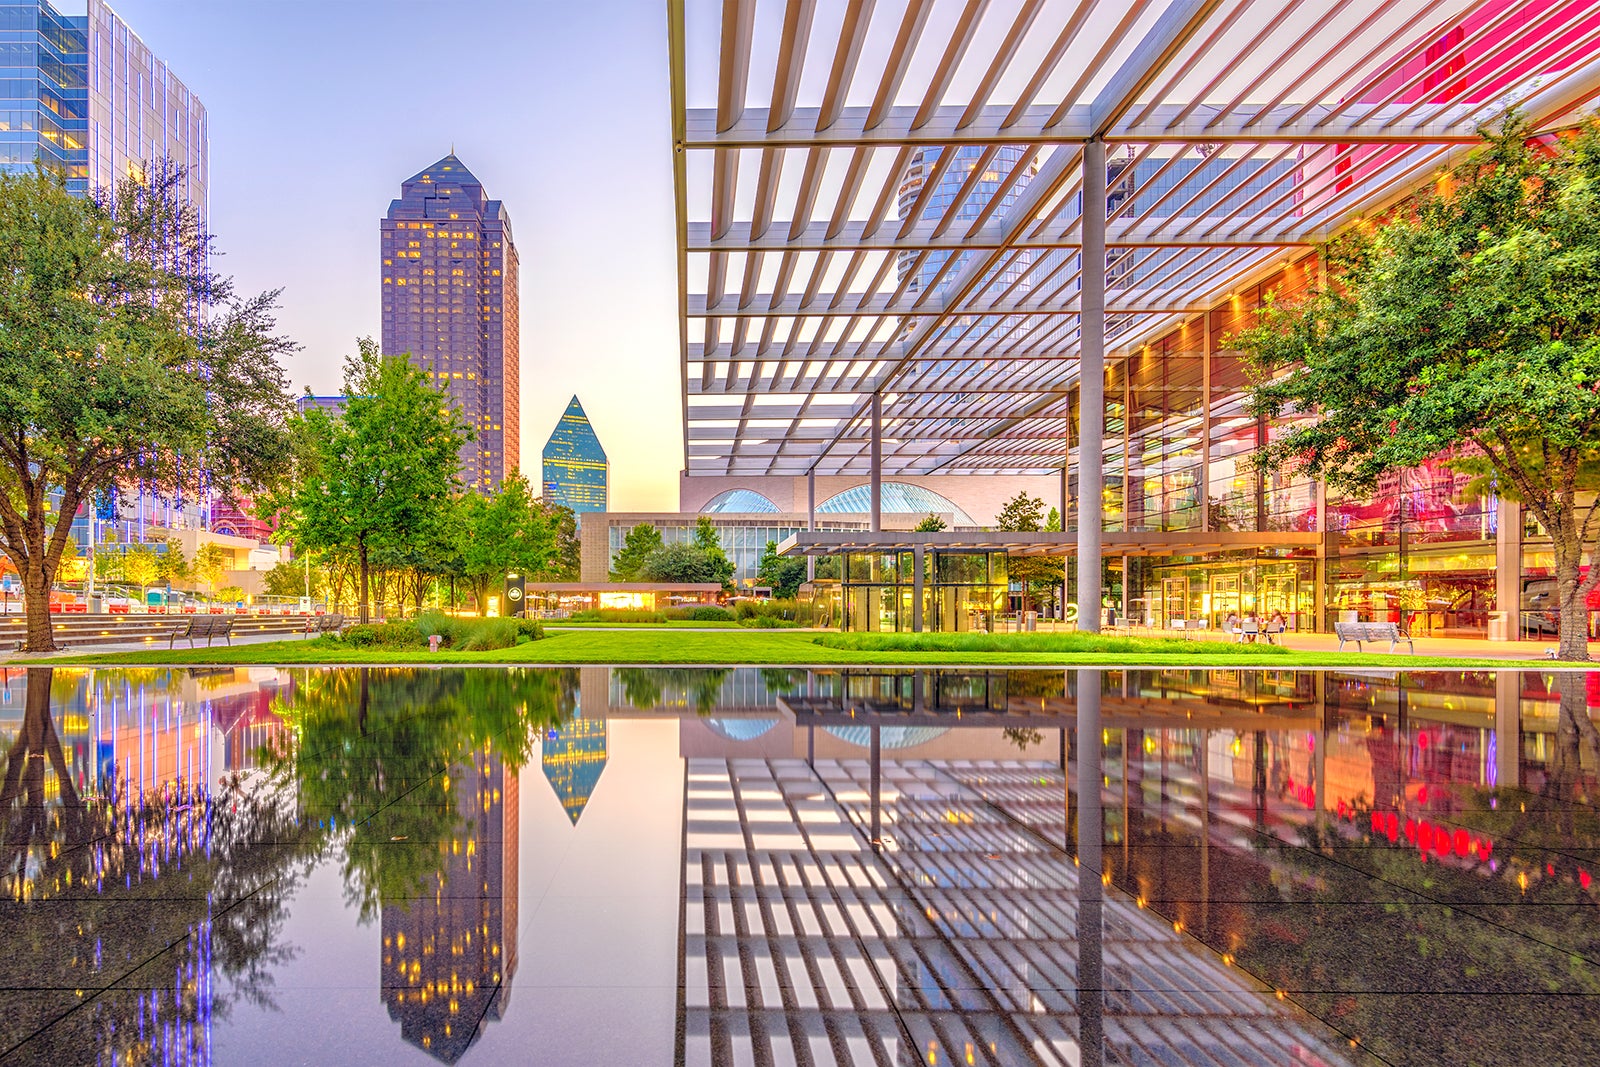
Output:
x,y
450,300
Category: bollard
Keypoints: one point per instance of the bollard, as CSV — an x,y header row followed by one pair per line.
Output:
x,y
433,642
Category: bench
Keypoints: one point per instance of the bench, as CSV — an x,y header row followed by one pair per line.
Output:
x,y
206,626
1371,631
326,624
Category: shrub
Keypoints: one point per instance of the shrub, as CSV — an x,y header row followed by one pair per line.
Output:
x,y
477,635
707,613
385,635
618,615
767,622
792,612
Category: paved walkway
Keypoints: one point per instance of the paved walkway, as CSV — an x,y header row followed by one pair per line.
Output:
x,y
79,651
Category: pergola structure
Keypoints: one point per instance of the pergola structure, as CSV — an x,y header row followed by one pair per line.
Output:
x,y
881,231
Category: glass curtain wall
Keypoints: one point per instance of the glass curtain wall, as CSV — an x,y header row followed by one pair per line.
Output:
x,y
874,592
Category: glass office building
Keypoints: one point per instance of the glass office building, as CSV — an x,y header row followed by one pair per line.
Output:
x,y
575,468
450,301
83,94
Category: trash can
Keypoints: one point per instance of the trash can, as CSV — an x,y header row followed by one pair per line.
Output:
x,y
1500,626
1030,620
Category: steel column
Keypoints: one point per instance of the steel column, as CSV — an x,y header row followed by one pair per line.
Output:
x,y
1092,385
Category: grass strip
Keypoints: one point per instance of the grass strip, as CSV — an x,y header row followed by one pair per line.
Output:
x,y
1056,643
777,648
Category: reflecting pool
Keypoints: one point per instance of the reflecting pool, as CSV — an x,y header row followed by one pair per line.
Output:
x,y
789,867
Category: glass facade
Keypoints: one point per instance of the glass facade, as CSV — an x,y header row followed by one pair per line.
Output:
x,y
450,302
876,592
1421,551
575,467
743,538
85,96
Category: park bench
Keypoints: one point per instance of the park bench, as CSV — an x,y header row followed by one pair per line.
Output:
x,y
326,624
1371,631
206,626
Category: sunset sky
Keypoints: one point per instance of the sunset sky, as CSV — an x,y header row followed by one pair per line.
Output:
x,y
318,110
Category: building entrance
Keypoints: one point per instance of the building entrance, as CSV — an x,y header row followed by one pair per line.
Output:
x,y
1174,603
1224,599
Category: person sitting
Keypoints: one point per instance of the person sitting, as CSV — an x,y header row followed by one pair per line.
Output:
x,y
1276,625
1252,628
1231,626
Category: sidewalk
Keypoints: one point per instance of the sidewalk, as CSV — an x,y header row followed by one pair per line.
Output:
x,y
78,652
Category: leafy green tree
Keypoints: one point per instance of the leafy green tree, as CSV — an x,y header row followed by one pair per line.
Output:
x,y
104,378
707,541
679,563
1469,325
643,541
172,565
140,565
783,573
563,565
210,560
509,531
931,524
1039,575
1021,514
288,578
380,475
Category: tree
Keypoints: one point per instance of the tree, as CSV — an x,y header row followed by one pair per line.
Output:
x,y
140,565
563,565
783,573
931,524
679,563
210,560
172,565
287,578
105,376
380,475
1469,325
509,531
709,542
640,544
1021,514
1037,574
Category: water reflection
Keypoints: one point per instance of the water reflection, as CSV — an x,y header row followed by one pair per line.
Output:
x,y
871,866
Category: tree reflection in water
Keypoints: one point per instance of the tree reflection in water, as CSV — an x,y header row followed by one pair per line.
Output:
x,y
149,914
373,763
1382,923
656,687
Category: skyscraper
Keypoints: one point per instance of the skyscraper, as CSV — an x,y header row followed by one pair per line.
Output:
x,y
450,952
575,468
82,93
450,300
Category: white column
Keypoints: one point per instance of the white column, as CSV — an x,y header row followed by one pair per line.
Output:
x,y
877,463
1091,385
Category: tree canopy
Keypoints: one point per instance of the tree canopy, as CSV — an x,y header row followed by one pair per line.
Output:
x,y
784,574
123,359
381,475
639,544
1467,324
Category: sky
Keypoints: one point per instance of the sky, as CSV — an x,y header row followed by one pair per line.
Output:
x,y
318,110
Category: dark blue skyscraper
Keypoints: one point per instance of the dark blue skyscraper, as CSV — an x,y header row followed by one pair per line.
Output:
x,y
575,468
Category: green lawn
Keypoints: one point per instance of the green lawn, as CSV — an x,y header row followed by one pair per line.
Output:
x,y
789,648
670,624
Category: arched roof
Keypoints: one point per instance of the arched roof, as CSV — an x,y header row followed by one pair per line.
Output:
x,y
741,729
738,501
890,737
898,498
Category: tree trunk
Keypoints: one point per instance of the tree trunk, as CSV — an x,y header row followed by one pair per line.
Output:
x,y
36,602
365,579
1572,593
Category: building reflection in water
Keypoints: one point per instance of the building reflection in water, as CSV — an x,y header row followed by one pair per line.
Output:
x,y
1302,834
449,955
573,756
128,797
